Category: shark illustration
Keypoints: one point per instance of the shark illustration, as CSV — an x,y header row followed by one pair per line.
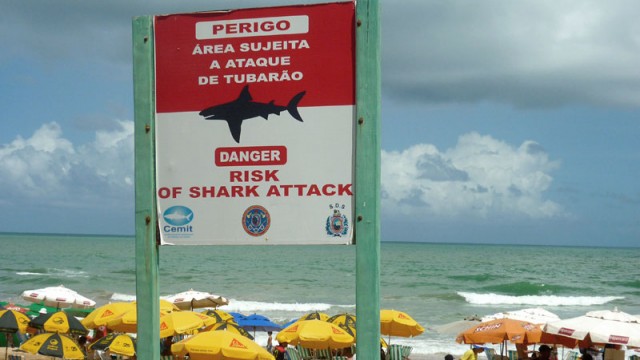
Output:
x,y
243,108
177,216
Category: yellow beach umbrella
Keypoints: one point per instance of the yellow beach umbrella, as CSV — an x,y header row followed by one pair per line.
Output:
x,y
183,322
231,326
12,321
58,322
220,345
104,313
176,322
120,344
54,345
125,323
398,323
348,322
315,334
219,315
314,316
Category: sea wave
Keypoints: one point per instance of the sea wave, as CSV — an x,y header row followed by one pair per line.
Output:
x,y
539,300
248,307
53,272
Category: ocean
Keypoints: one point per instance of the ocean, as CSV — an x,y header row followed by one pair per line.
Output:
x,y
434,283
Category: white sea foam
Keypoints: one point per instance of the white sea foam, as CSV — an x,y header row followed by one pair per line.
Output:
x,y
537,300
257,306
67,273
249,307
122,297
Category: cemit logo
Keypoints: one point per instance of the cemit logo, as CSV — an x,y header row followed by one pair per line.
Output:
x,y
178,215
178,219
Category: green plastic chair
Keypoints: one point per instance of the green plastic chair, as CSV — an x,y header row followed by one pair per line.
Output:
x,y
293,354
490,353
571,355
304,352
323,354
513,354
406,351
395,352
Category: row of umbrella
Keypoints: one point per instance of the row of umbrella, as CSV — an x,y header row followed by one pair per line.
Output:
x,y
122,317
314,331
63,297
595,327
51,344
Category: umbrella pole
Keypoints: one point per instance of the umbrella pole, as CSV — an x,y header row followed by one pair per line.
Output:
x,y
6,346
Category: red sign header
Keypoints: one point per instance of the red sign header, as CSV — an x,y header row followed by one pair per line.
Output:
x,y
279,52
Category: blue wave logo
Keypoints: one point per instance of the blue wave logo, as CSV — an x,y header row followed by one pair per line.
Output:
x,y
178,215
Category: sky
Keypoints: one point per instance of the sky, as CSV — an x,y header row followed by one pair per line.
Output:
x,y
502,121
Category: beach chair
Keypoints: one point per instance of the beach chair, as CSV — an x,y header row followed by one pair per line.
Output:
x,y
166,357
339,357
490,353
293,354
394,352
406,351
16,357
323,354
513,354
304,352
571,355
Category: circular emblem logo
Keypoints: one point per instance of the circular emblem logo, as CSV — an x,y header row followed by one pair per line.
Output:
x,y
256,220
178,215
337,224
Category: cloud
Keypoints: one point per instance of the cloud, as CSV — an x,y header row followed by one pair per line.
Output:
x,y
480,178
97,30
522,53
49,170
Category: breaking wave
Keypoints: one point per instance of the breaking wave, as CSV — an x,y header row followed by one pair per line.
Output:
x,y
537,300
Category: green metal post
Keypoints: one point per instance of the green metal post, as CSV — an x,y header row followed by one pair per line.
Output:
x,y
367,179
148,307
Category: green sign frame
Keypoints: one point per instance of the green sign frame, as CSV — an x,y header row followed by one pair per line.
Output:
x,y
366,184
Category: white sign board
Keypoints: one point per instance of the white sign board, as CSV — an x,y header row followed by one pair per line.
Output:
x,y
254,125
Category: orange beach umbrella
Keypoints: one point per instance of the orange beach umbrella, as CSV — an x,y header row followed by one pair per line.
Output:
x,y
499,330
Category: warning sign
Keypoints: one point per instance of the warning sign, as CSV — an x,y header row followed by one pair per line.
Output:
x,y
254,125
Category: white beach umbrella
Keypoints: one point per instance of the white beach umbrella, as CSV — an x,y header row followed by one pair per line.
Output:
x,y
192,299
533,315
59,297
455,327
602,327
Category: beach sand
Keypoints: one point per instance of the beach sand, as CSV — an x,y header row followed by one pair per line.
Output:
x,y
29,356
26,355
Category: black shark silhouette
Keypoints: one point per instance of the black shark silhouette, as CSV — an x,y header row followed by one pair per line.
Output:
x,y
243,108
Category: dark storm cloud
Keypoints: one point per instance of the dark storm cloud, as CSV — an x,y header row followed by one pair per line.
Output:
x,y
527,54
